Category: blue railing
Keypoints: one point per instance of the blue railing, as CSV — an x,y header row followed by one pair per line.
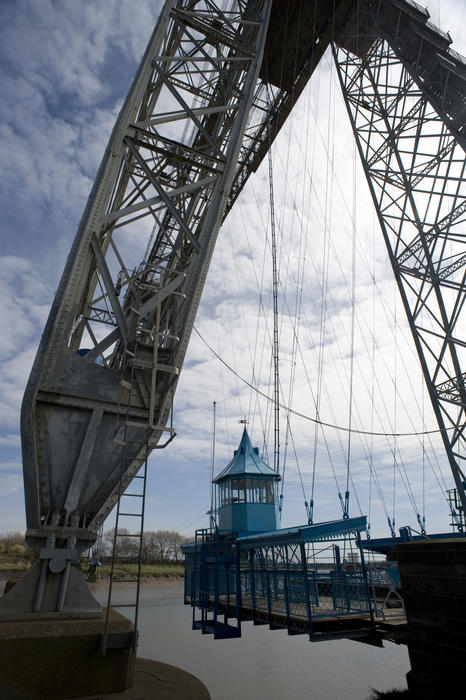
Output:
x,y
335,593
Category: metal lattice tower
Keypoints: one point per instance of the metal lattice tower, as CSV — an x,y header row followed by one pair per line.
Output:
x,y
213,89
406,99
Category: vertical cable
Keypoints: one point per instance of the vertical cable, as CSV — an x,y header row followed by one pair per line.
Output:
x,y
276,386
371,449
353,298
212,485
395,381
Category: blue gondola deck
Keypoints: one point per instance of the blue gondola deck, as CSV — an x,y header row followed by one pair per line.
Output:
x,y
307,579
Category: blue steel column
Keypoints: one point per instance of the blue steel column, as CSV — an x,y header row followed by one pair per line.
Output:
x,y
252,576
286,578
364,573
307,596
269,592
238,586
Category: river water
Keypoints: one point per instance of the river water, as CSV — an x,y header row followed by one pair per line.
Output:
x,y
262,664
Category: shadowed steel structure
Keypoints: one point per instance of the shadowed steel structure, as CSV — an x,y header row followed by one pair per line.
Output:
x,y
406,100
215,85
295,579
307,579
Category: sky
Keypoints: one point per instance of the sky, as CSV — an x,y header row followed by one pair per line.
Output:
x,y
66,66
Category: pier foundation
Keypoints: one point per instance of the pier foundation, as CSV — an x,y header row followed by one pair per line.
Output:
x,y
48,658
433,580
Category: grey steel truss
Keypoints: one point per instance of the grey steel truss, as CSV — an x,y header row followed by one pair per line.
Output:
x,y
405,93
215,85
101,388
199,118
111,353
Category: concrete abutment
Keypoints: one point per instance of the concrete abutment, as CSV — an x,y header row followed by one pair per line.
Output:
x,y
433,579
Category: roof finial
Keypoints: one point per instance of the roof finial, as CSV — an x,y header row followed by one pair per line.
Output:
x,y
244,421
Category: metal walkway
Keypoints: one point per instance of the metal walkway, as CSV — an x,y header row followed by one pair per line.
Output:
x,y
309,580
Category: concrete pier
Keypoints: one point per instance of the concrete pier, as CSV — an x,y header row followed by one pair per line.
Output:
x,y
61,659
154,680
49,658
433,579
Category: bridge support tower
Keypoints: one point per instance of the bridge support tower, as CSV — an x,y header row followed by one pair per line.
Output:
x,y
433,577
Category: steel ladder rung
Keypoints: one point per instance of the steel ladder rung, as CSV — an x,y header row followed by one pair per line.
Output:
x,y
144,424
124,605
122,561
137,388
126,534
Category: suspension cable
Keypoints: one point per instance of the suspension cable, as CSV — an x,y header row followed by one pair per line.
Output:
x,y
275,346
326,424
353,311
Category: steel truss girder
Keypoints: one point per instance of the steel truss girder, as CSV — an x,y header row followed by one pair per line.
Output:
x,y
411,143
196,122
119,328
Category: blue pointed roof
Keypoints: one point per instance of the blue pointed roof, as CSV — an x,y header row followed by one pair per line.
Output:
x,y
246,460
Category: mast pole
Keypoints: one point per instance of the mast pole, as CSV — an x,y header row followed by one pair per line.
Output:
x,y
276,376
212,485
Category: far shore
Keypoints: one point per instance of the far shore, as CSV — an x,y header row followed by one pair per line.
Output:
x,y
145,580
150,575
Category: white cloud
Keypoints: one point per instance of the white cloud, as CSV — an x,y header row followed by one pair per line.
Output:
x,y
11,483
10,440
10,466
26,296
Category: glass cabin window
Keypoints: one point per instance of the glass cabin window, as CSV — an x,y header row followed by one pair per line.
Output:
x,y
255,491
270,490
234,491
249,494
241,494
263,491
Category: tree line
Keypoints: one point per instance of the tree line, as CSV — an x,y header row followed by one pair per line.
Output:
x,y
158,546
13,546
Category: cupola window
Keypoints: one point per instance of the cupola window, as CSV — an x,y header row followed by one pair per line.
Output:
x,y
241,494
247,492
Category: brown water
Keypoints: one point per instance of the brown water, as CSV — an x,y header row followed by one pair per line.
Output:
x,y
263,664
